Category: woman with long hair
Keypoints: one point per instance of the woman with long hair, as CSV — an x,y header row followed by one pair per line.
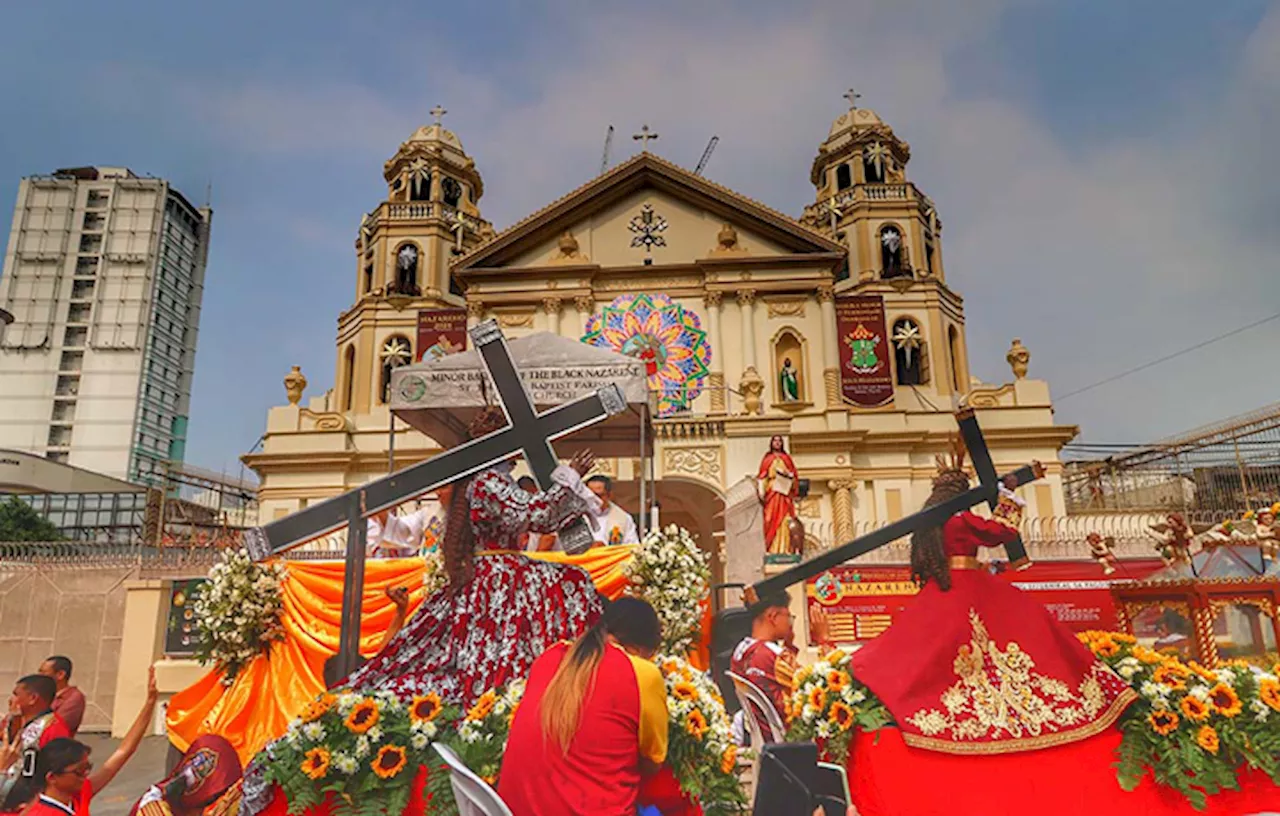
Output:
x,y
592,721
60,779
974,665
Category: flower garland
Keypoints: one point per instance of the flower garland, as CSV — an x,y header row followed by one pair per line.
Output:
x,y
237,611
362,750
1194,728
480,740
673,574
827,702
434,577
700,747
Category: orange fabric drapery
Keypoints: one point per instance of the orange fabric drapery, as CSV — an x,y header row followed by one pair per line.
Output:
x,y
270,690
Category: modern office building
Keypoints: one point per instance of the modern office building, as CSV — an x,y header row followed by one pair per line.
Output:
x,y
104,275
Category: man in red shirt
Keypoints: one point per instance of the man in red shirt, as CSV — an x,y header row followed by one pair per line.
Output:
x,y
37,725
768,657
69,702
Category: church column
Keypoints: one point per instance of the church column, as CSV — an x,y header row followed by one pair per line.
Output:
x,y
475,312
551,305
586,305
711,302
842,509
830,347
746,305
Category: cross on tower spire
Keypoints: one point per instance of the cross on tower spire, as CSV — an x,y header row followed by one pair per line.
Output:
x,y
853,97
437,113
643,137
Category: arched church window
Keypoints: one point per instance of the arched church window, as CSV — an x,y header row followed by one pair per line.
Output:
x,y
953,346
928,257
875,162
451,190
892,263
407,257
909,352
788,366
368,277
396,352
420,186
844,177
348,376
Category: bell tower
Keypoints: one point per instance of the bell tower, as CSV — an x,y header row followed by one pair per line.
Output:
x,y
404,250
894,239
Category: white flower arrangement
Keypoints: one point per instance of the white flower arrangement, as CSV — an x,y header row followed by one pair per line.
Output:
x,y
673,574
433,575
701,750
237,611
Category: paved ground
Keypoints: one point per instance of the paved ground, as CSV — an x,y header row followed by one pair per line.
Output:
x,y
145,769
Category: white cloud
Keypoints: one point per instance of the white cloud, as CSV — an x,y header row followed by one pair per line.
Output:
x,y
1099,257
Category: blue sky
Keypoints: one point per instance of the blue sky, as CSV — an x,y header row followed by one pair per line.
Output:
x,y
1104,171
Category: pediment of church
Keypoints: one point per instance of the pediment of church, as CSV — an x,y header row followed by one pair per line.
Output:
x,y
647,209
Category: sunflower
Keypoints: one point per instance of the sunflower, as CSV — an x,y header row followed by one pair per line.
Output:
x,y
1224,700
483,707
390,761
1207,739
425,708
835,656
801,676
1163,722
1194,708
1202,672
818,697
669,667
1106,647
684,691
1269,693
318,707
729,759
1149,656
837,681
1121,637
315,763
364,715
841,716
1168,676
695,724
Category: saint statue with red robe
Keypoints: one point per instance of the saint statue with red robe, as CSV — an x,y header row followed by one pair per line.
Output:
x,y
778,481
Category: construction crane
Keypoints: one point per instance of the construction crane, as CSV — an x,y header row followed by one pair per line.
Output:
x,y
706,155
608,142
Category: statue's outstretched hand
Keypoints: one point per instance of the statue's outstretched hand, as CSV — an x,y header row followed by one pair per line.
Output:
x,y
583,461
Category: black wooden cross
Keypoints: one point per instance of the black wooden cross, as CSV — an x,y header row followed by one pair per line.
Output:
x,y
529,433
986,491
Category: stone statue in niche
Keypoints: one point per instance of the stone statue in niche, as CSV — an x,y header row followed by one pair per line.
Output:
x,y
407,270
789,382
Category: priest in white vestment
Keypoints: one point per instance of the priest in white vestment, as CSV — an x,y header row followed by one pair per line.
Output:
x,y
612,525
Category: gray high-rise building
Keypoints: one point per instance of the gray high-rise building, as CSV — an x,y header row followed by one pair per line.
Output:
x,y
103,274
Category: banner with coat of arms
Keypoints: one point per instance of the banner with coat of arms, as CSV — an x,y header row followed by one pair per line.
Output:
x,y
866,377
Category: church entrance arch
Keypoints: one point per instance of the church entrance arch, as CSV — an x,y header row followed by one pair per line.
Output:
x,y
687,503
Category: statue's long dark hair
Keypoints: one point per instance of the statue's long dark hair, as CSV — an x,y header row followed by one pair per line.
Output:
x,y
458,545
928,558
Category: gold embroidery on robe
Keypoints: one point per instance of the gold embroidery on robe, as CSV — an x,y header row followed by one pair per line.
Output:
x,y
1000,697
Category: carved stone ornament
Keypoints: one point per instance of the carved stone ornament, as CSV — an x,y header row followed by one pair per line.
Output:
x,y
752,388
515,320
786,308
568,250
703,463
727,241
1018,358
295,382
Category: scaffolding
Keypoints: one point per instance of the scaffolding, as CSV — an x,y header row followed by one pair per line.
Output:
x,y
1212,473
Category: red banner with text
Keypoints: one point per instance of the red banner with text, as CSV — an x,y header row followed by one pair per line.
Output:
x,y
441,332
861,602
866,378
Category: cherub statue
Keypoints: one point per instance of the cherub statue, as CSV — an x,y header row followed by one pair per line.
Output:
x,y
1173,539
1103,551
1266,533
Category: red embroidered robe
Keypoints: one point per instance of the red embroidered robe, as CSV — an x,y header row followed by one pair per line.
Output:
x,y
984,668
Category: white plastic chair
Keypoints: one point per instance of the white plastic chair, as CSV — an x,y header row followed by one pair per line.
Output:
x,y
473,794
751,698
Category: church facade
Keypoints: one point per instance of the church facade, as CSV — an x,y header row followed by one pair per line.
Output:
x,y
835,330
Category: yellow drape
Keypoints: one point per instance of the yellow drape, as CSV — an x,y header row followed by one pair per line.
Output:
x,y
269,691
